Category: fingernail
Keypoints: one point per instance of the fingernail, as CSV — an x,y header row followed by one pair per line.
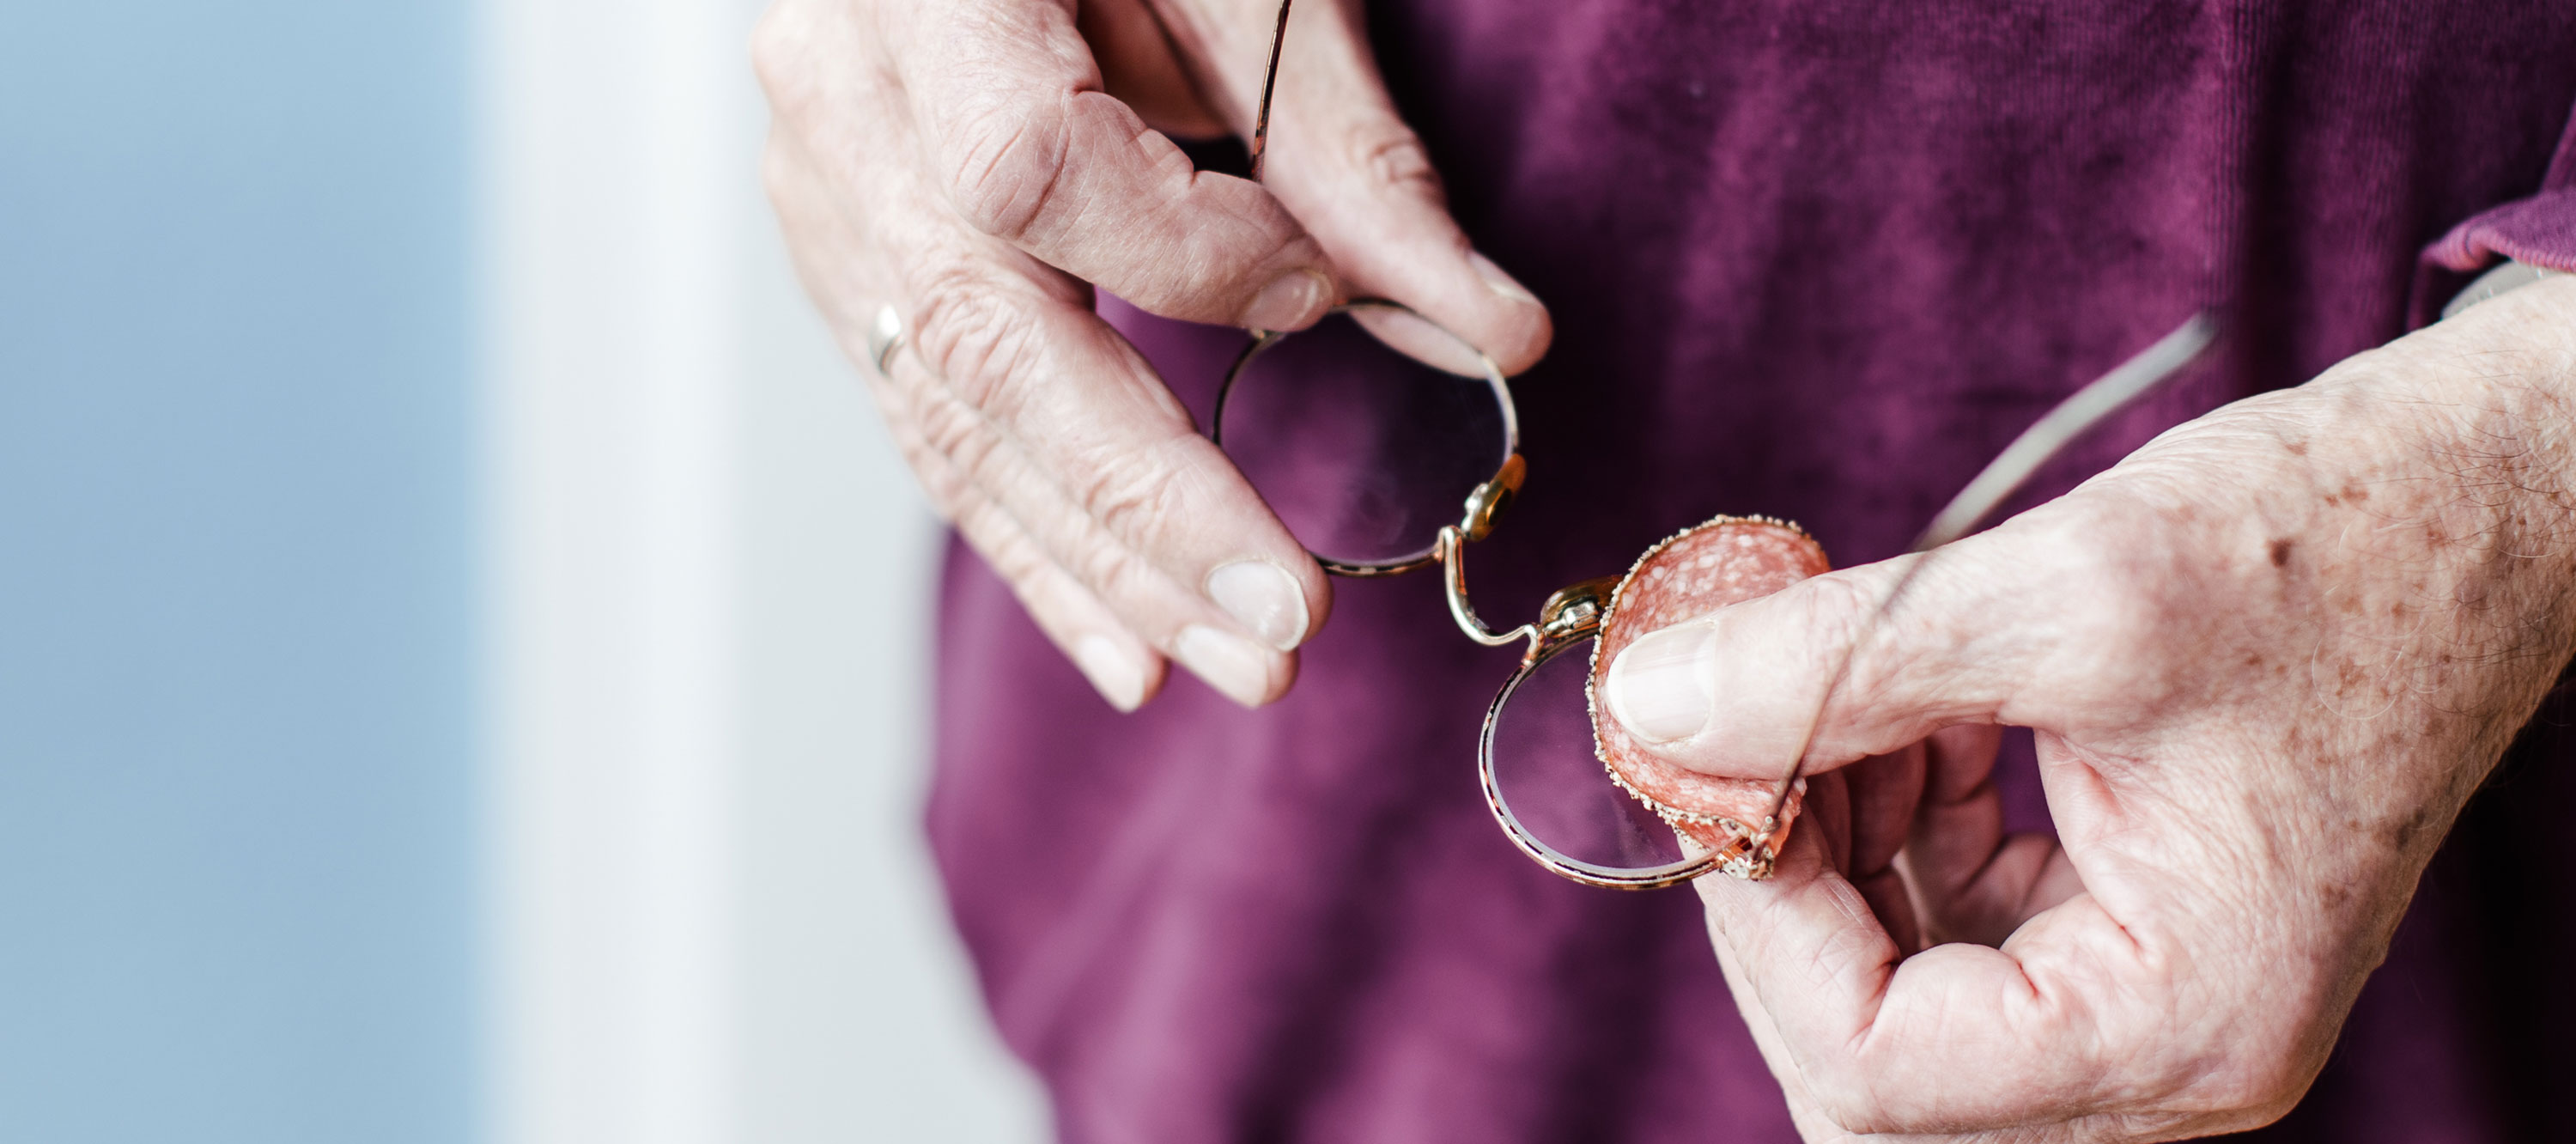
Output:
x,y
1230,663
1657,689
1499,282
1112,671
1263,597
1294,302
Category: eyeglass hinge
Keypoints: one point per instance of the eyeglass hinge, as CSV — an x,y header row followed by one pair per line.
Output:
x,y
1486,503
1576,610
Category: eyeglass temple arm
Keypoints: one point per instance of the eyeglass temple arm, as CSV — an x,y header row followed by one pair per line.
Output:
x,y
2004,475
1269,84
2105,396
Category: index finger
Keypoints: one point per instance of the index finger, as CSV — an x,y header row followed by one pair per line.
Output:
x,y
1028,147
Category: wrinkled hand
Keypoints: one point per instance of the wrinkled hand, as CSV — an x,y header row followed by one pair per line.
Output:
x,y
980,165
2267,658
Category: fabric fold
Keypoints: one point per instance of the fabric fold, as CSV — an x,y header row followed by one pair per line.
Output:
x,y
2537,231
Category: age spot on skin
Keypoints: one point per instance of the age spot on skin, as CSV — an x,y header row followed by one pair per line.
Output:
x,y
2404,831
2281,552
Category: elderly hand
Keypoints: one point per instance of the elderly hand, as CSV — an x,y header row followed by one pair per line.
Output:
x,y
981,165
2267,658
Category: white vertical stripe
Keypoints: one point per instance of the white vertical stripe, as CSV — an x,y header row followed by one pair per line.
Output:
x,y
612,483
713,914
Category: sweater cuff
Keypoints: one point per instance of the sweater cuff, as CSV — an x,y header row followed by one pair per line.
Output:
x,y
2537,231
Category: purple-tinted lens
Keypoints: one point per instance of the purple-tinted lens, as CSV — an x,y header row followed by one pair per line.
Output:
x,y
1544,768
1362,451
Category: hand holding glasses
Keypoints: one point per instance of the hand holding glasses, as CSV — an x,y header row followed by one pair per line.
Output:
x,y
1361,451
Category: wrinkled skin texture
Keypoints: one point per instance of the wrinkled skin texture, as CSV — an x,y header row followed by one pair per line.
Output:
x,y
981,165
2267,658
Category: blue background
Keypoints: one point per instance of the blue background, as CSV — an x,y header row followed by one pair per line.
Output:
x,y
236,574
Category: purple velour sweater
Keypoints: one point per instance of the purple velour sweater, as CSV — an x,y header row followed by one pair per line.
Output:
x,y
1815,259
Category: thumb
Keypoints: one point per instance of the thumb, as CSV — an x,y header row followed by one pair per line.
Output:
x,y
1343,162
1824,673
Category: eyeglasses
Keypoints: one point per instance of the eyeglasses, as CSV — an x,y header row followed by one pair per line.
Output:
x,y
1361,431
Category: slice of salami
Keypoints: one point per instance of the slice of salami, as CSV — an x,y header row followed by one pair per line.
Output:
x,y
1728,560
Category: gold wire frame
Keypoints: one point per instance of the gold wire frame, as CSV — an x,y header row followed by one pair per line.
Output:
x,y
1575,614
2000,478
1526,840
1481,507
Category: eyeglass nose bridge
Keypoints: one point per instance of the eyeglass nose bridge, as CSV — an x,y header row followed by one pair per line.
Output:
x,y
1568,615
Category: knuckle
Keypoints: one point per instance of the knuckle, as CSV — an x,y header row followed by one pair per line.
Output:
x,y
1837,612
1391,157
971,334
822,68
1008,549
775,41
952,430
1003,165
788,47
1114,572
1136,493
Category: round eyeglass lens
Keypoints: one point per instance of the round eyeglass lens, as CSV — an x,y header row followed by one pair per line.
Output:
x,y
1365,452
1545,771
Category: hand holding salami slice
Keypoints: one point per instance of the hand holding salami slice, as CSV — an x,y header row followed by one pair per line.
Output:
x,y
2265,660
1649,682
1743,821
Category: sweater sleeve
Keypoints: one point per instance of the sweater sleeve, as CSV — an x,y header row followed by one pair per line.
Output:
x,y
2536,231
